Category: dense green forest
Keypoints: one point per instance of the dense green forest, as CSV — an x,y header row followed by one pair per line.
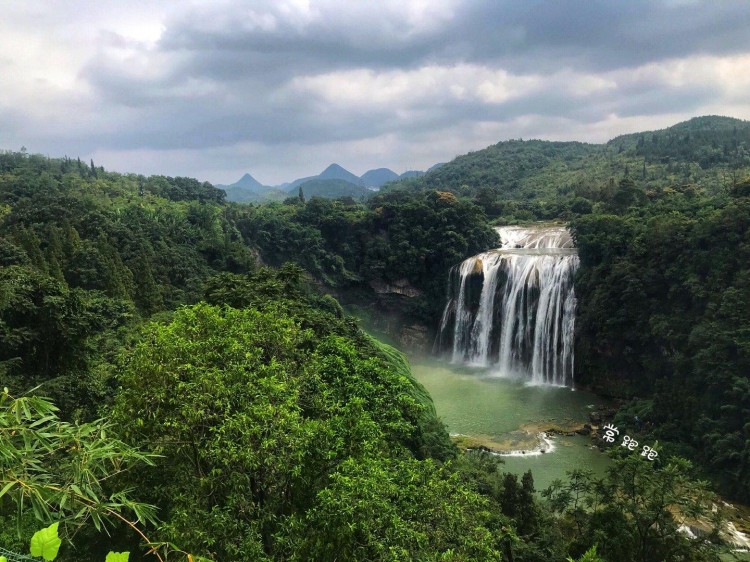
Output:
x,y
99,248
664,314
197,370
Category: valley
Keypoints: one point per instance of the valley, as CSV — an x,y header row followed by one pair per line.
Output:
x,y
533,285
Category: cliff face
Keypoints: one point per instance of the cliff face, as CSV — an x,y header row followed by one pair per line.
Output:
x,y
415,337
393,302
388,308
398,287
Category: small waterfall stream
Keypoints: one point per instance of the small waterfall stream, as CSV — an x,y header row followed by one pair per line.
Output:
x,y
513,308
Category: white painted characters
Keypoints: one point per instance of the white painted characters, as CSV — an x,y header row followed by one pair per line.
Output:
x,y
629,443
610,432
649,453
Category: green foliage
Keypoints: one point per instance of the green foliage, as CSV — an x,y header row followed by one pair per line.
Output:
x,y
85,251
152,242
283,291
64,472
432,438
46,543
46,329
398,236
664,295
530,530
539,180
284,432
589,556
332,189
274,410
388,510
709,141
509,169
634,514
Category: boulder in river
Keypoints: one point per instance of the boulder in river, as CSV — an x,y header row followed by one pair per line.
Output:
x,y
585,430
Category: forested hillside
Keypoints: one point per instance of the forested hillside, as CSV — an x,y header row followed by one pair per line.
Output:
x,y
664,312
543,180
85,252
294,413
198,371
100,248
414,238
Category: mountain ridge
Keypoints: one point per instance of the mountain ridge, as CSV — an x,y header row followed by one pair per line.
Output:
x,y
697,151
248,189
512,164
331,189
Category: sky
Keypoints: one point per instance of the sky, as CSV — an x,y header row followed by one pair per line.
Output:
x,y
282,88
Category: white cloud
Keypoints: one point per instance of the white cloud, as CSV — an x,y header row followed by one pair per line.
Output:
x,y
366,88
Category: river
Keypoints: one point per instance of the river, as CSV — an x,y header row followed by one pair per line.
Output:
x,y
508,414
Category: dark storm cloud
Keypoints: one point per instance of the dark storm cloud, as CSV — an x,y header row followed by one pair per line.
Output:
x,y
642,99
598,35
247,55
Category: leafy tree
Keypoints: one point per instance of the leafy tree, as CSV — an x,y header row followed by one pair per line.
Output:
x,y
663,293
45,327
340,410
635,513
387,510
589,556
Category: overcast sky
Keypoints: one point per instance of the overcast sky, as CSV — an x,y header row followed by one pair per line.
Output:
x,y
282,88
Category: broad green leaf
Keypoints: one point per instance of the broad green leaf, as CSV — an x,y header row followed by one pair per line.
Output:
x,y
116,557
3,559
46,543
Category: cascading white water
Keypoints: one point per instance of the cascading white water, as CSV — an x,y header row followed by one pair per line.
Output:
x,y
514,307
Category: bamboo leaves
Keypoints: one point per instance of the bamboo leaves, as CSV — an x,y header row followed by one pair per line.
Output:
x,y
59,471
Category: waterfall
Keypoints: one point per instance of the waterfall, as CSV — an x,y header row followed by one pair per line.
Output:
x,y
513,308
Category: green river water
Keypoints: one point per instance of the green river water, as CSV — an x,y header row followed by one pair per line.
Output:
x,y
502,412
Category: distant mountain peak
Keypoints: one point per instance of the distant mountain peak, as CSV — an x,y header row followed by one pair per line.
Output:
x,y
247,182
245,188
336,172
334,168
378,177
372,179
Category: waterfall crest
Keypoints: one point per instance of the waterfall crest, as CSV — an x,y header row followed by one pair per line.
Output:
x,y
513,308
